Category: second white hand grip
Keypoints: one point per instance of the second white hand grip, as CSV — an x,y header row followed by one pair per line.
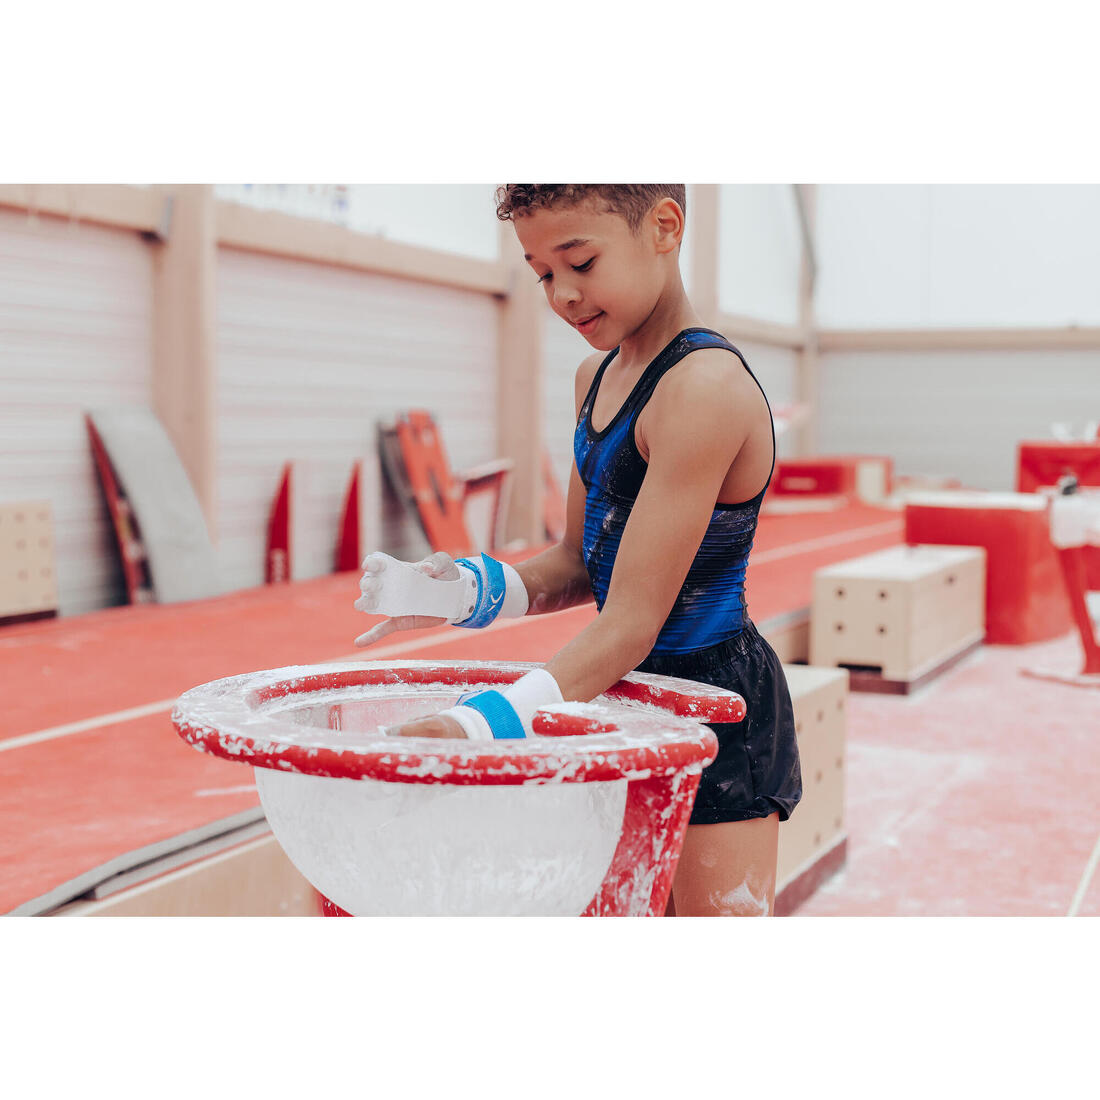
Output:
x,y
405,590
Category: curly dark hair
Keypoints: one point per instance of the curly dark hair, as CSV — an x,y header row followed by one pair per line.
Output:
x,y
631,201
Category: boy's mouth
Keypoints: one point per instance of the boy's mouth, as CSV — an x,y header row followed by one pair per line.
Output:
x,y
589,323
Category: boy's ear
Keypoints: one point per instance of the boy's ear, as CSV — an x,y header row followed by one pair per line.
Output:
x,y
667,220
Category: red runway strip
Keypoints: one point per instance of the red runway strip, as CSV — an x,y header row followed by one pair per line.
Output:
x,y
84,799
73,668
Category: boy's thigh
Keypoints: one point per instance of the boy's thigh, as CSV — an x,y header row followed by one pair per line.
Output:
x,y
727,869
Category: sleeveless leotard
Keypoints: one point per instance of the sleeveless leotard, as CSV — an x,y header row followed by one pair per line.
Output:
x,y
710,607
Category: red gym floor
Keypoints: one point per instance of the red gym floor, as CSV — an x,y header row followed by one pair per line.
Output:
x,y
976,795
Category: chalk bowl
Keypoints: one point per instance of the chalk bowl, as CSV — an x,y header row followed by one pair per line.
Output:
x,y
392,826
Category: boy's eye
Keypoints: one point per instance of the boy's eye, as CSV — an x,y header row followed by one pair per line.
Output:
x,y
586,266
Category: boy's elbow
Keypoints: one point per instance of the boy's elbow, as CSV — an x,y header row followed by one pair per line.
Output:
x,y
636,635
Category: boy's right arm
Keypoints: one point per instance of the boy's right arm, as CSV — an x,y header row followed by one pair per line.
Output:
x,y
554,580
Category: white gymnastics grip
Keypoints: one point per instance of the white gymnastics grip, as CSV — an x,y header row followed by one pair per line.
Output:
x,y
402,589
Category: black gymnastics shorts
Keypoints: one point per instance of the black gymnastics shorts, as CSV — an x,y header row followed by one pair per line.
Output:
x,y
756,772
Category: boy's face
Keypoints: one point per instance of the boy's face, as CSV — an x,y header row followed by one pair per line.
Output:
x,y
600,277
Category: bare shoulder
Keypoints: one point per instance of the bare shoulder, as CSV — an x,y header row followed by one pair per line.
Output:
x,y
582,381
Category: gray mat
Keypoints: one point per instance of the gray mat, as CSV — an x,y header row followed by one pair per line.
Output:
x,y
182,562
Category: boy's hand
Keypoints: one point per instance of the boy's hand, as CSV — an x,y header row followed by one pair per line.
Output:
x,y
441,566
435,725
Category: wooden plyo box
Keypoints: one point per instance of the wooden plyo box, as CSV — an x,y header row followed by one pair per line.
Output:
x,y
28,581
900,616
254,879
813,841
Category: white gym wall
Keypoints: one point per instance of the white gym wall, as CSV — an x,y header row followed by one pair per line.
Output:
x,y
955,257
900,257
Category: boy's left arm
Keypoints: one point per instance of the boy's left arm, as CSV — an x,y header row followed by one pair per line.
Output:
x,y
695,430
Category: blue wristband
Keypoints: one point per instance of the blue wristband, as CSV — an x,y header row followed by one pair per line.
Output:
x,y
498,712
491,588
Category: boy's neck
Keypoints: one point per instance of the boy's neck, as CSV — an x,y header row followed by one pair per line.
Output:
x,y
671,315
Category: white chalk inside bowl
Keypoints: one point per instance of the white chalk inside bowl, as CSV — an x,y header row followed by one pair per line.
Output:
x,y
393,826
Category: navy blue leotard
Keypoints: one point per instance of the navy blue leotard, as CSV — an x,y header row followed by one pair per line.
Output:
x,y
710,607
708,636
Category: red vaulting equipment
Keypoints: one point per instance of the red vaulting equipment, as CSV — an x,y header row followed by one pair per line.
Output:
x,y
278,561
586,817
1043,464
866,477
1074,530
1025,597
349,551
439,495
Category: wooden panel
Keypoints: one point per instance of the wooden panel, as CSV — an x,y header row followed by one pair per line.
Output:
x,y
75,334
184,365
255,879
28,580
819,696
284,235
518,415
962,339
564,349
119,206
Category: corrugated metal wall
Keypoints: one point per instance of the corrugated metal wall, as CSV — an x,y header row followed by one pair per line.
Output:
x,y
309,359
953,414
75,334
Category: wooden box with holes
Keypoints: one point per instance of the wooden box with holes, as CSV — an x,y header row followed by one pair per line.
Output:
x,y
28,582
813,840
899,617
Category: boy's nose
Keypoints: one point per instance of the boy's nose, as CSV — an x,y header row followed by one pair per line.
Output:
x,y
565,295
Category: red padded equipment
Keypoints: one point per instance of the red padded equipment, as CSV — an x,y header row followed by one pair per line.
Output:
x,y
1025,592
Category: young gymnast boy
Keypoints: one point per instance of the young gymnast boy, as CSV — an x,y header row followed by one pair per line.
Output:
x,y
675,447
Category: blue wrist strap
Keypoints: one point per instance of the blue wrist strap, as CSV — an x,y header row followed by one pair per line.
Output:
x,y
490,591
498,712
